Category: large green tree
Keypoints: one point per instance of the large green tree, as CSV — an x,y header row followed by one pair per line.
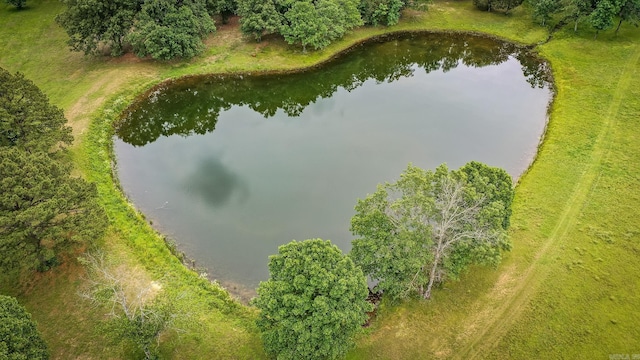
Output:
x,y
225,8
602,16
91,23
306,26
19,337
544,9
318,23
43,210
313,303
163,29
606,11
381,12
27,119
629,12
429,226
306,22
166,29
260,17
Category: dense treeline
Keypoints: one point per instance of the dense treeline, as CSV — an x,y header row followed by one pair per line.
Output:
x,y
314,23
165,29
600,14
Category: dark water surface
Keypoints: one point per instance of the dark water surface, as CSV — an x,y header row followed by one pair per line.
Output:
x,y
291,154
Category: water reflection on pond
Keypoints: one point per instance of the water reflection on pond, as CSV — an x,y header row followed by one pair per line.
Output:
x,y
290,154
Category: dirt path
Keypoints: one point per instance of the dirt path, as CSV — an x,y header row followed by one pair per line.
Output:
x,y
108,83
511,294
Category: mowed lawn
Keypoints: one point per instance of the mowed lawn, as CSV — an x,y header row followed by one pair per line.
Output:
x,y
570,287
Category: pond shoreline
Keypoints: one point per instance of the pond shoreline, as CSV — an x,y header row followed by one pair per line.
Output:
x,y
237,290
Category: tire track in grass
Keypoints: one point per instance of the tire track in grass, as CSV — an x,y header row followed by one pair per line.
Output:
x,y
502,309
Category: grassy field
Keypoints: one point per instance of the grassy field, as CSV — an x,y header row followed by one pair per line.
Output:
x,y
569,289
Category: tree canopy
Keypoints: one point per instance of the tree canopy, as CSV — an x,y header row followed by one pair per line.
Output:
x,y
163,29
27,120
606,11
43,210
19,4
429,226
313,303
316,23
91,23
600,14
19,337
225,8
381,12
166,29
319,23
502,5
260,17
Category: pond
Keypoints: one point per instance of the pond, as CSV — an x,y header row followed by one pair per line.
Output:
x,y
233,166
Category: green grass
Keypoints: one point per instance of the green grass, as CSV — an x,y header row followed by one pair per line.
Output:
x,y
569,289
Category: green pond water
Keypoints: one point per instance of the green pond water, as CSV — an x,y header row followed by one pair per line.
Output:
x,y
233,166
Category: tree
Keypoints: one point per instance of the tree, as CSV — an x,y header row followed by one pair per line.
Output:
x,y
318,24
385,12
43,210
305,26
430,226
163,29
19,337
341,16
577,10
167,29
140,311
571,10
599,13
543,9
225,8
484,5
494,186
27,119
507,5
17,3
313,303
307,22
629,12
489,5
601,18
259,17
91,23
